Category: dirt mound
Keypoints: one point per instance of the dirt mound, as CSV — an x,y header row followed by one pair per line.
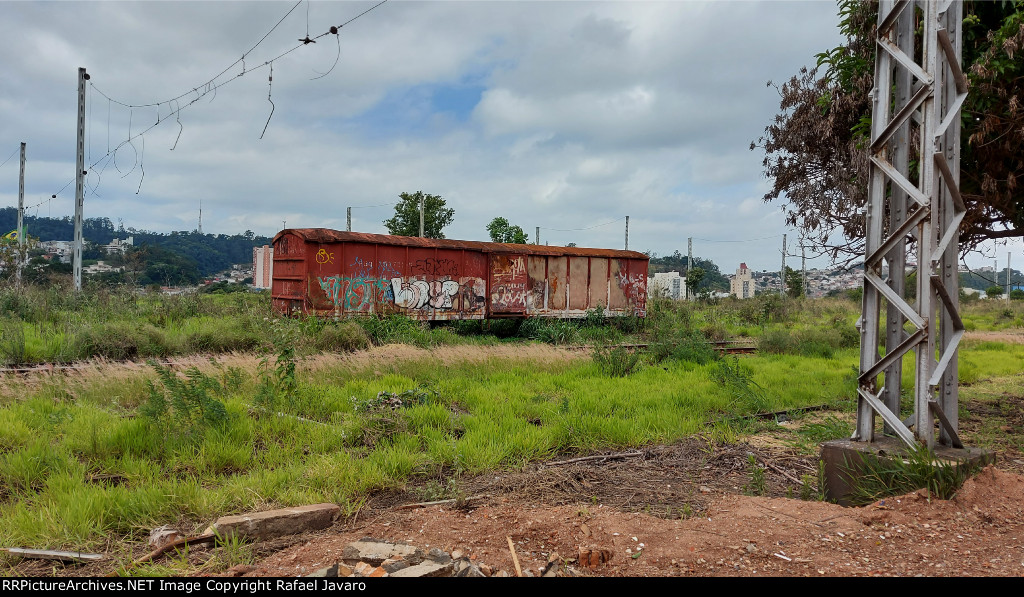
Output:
x,y
979,533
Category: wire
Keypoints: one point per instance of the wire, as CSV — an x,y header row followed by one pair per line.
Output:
x,y
747,240
210,81
577,229
10,156
210,86
365,206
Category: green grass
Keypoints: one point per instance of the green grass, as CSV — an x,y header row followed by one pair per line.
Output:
x,y
336,439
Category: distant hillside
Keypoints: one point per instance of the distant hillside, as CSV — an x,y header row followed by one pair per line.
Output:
x,y
211,252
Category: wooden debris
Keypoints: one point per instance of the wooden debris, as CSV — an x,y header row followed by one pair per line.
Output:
x,y
198,539
438,502
46,554
598,457
515,558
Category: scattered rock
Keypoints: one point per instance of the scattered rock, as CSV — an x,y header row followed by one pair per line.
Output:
x,y
394,564
328,572
425,570
487,570
239,570
161,536
457,554
375,552
593,557
438,555
470,571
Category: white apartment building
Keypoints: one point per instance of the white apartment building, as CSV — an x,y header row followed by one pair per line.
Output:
x,y
667,284
262,266
742,284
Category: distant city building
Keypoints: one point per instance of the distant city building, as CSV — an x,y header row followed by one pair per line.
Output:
x,y
667,284
262,266
61,249
119,246
742,284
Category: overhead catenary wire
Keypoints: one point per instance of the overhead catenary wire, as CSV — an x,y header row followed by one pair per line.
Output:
x,y
374,205
209,86
16,150
587,228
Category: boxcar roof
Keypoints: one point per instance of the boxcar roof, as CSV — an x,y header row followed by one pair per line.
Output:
x,y
326,235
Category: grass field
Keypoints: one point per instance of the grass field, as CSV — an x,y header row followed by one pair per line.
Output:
x,y
95,460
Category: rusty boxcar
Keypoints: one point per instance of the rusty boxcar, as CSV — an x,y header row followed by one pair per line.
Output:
x,y
329,273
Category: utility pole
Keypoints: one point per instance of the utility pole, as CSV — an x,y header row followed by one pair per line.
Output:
x,y
1008,277
537,237
348,221
80,179
803,268
21,215
782,272
627,233
421,215
689,263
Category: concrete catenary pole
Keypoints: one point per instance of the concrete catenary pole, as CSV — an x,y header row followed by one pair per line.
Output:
x,y
627,233
782,272
21,215
1008,278
536,237
689,263
803,269
80,179
421,214
348,220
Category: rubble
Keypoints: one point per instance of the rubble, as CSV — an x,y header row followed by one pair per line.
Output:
x,y
379,558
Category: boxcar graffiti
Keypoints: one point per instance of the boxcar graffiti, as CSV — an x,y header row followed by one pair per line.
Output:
x,y
336,274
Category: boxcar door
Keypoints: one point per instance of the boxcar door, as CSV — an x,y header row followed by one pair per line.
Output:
x,y
508,284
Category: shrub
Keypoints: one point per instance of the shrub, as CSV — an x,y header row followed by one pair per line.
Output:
x,y
184,406
341,337
617,361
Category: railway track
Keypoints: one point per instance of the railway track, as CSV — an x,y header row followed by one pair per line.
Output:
x,y
725,347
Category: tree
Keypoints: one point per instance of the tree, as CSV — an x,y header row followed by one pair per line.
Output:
x,y
816,149
406,221
503,232
994,291
794,283
693,280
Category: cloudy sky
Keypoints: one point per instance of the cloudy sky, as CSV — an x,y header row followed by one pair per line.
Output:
x,y
563,115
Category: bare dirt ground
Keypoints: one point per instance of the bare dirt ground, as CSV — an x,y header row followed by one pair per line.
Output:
x,y
633,508
678,510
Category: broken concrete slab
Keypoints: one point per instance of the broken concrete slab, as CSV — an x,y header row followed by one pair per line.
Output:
x,y
394,564
438,555
328,572
276,523
470,571
376,551
427,569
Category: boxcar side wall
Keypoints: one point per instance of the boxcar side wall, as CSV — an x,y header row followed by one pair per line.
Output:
x,y
352,279
361,279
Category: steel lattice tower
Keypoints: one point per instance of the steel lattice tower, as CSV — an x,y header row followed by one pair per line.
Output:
x,y
918,93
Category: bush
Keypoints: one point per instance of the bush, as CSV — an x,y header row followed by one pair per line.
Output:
x,y
551,331
184,407
341,337
121,340
617,361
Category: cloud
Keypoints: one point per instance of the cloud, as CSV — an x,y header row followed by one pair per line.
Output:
x,y
559,115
